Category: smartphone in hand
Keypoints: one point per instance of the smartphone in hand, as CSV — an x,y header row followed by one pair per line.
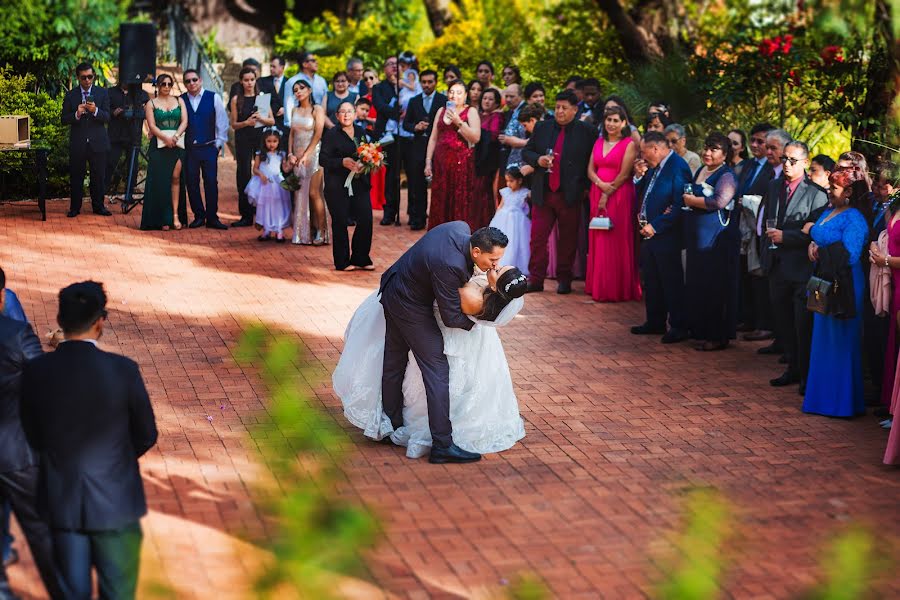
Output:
x,y
89,99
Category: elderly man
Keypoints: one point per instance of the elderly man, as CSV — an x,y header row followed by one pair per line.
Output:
x,y
512,139
677,139
355,69
789,201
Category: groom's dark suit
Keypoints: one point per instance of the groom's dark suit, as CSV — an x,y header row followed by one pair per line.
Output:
x,y
432,270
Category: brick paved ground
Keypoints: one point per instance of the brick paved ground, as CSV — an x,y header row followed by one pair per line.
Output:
x,y
617,428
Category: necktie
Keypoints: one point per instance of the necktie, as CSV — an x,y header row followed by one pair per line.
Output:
x,y
554,181
84,96
426,101
643,212
783,201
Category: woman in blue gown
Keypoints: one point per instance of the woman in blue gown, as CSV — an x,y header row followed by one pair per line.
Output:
x,y
834,386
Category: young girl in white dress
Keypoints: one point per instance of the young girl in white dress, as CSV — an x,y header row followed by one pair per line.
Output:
x,y
512,219
273,202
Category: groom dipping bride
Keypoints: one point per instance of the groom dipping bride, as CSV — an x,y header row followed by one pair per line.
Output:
x,y
441,302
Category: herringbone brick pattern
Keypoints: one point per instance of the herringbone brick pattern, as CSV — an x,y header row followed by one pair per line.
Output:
x,y
618,428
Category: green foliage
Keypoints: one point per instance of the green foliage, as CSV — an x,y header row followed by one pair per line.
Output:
x,y
848,567
18,98
48,38
320,534
528,587
211,46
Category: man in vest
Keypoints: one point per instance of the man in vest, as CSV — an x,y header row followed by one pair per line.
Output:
x,y
206,133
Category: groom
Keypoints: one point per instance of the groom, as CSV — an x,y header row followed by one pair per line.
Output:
x,y
431,271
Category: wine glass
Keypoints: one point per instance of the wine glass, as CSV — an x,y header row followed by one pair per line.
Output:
x,y
770,225
550,156
688,189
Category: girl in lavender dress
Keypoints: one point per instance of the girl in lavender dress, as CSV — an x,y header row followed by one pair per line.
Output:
x,y
273,209
512,219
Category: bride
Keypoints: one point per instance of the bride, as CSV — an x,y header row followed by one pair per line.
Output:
x,y
483,406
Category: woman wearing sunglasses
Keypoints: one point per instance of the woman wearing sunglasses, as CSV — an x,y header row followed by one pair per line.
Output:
x,y
166,119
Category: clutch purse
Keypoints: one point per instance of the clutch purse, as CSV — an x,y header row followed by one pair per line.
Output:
x,y
819,295
601,223
179,143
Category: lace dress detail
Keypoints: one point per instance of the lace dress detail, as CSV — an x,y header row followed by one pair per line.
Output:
x,y
304,128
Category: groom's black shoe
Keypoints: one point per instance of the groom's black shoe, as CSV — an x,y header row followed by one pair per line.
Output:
x,y
216,225
197,223
452,454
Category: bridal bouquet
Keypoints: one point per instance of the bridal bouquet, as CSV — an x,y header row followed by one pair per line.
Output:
x,y
371,155
291,182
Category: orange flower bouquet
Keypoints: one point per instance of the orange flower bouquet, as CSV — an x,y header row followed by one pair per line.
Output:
x,y
371,158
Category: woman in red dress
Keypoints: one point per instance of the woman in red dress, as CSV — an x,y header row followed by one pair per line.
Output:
x,y
611,270
450,160
488,161
376,193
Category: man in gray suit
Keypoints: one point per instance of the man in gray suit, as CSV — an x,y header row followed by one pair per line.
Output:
x,y
790,199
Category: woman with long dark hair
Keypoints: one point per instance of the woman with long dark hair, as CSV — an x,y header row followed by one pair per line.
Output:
x,y
166,120
307,124
244,117
739,147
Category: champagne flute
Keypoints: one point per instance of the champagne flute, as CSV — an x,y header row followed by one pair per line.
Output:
x,y
771,224
550,157
688,189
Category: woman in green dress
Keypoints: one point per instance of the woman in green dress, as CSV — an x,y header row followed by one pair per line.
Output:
x,y
166,120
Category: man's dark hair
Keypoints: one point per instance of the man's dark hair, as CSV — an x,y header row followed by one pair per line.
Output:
x,y
305,56
250,62
532,88
590,82
488,238
187,71
363,100
428,72
762,128
280,60
567,96
80,305
2,279
655,137
486,63
531,111
453,69
82,67
823,160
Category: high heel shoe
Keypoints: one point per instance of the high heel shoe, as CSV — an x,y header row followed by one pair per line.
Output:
x,y
318,240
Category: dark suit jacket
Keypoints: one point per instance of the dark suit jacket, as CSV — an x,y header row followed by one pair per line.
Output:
x,y
89,131
87,413
382,94
415,112
577,148
122,129
790,261
667,192
336,146
18,344
267,86
432,270
760,184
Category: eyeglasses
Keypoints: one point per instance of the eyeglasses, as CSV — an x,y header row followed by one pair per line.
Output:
x,y
347,111
165,84
192,80
672,141
790,159
86,77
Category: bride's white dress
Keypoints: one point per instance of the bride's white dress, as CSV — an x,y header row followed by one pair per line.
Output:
x,y
483,406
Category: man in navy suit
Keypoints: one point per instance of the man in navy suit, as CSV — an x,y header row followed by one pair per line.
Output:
x,y
419,121
431,271
86,110
88,414
660,200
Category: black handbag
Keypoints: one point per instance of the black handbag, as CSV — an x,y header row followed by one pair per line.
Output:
x,y
819,295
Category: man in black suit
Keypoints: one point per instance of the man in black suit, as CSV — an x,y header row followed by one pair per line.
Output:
x,y
419,121
18,461
556,196
86,110
431,271
791,199
126,116
387,104
274,84
87,413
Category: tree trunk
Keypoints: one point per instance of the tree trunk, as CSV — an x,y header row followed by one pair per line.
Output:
x,y
439,15
639,44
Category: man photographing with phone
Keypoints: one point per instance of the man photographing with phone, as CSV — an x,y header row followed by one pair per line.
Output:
x,y
86,110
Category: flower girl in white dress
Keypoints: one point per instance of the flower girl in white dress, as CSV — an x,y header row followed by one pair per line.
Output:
x,y
273,202
512,219
483,406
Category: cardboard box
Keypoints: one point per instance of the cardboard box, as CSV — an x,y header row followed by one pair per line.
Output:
x,y
15,130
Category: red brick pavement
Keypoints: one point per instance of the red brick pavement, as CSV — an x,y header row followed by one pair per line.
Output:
x,y
617,428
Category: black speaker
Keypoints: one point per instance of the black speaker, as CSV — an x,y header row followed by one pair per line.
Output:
x,y
137,52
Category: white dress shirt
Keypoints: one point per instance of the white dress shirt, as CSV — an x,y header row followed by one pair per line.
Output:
x,y
221,115
85,93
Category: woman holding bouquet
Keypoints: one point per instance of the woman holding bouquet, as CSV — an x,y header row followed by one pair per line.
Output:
x,y
339,158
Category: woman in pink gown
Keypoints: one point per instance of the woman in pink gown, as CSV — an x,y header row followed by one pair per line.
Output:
x,y
890,387
611,270
451,150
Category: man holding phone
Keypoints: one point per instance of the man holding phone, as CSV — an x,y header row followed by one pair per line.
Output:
x,y
86,110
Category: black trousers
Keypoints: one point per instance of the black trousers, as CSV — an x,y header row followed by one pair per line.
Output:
x,y
393,155
413,150
342,206
202,159
663,286
114,554
20,489
421,335
245,148
80,158
793,322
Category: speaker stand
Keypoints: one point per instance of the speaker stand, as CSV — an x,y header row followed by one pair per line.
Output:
x,y
129,202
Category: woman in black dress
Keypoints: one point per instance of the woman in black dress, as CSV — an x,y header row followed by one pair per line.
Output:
x,y
244,117
338,158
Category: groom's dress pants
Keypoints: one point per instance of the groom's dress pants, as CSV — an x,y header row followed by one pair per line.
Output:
x,y
423,337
